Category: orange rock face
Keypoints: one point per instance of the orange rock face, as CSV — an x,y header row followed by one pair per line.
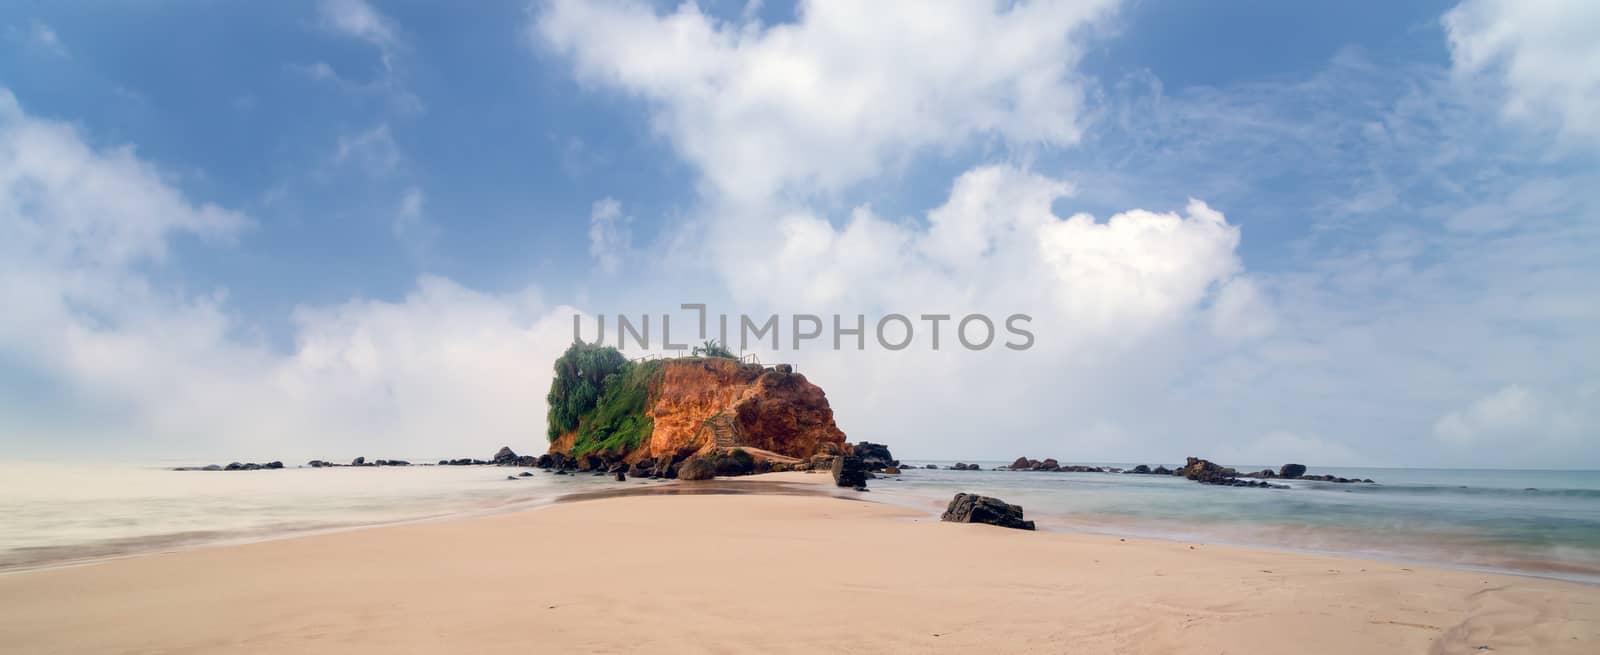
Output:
x,y
780,412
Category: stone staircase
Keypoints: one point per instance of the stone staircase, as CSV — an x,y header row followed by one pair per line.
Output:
x,y
723,431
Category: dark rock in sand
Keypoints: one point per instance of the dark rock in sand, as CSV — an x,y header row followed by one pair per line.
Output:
x,y
973,508
620,476
848,471
543,461
274,465
734,462
504,456
524,474
1291,471
698,468
359,461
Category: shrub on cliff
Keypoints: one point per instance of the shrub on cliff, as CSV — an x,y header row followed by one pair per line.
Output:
x,y
713,348
619,421
581,376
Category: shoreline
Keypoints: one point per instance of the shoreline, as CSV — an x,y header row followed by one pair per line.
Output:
x,y
786,483
730,568
778,566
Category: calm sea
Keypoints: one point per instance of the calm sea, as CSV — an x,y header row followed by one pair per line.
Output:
x,y
1535,522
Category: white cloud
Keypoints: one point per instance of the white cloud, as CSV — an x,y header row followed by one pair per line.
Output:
x,y
411,225
1546,54
1282,447
357,19
1535,423
446,370
1511,412
843,92
45,38
610,240
374,150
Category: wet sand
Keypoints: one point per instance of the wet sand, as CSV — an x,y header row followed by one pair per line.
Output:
x,y
715,568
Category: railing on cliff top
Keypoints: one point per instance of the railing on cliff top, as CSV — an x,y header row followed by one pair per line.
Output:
x,y
748,358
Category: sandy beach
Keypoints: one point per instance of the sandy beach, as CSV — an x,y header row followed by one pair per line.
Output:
x,y
771,573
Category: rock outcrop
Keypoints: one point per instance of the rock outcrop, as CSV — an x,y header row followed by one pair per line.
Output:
x,y
764,409
875,456
973,508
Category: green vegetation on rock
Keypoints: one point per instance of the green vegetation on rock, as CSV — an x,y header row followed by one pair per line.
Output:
x,y
713,348
603,396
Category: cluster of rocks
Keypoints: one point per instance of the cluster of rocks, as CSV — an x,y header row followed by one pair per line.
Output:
x,y
1194,468
973,508
359,461
235,466
874,457
1207,472
1050,464
962,466
1298,472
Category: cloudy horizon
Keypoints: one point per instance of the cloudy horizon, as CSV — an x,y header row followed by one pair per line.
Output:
x,y
339,228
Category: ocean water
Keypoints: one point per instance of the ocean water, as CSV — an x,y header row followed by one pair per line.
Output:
x,y
55,513
1543,523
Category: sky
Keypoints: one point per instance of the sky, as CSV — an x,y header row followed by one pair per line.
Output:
x,y
1259,232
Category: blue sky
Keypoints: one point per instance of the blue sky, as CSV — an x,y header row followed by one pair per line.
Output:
x,y
356,226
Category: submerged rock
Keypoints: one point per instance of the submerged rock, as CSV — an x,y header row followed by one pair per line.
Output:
x,y
973,508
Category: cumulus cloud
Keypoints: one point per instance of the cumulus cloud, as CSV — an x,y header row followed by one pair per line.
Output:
x,y
774,117
445,368
1545,55
842,92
